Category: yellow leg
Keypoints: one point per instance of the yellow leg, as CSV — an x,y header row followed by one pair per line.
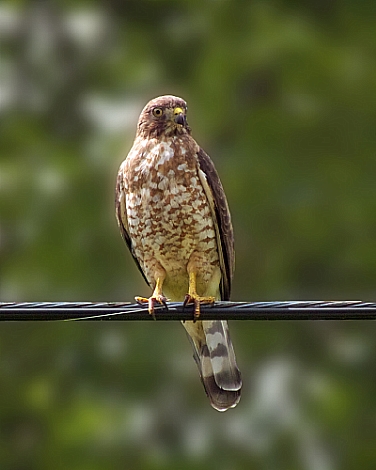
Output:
x,y
157,296
193,298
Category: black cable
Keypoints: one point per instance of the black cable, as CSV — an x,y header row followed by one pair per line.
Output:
x,y
289,310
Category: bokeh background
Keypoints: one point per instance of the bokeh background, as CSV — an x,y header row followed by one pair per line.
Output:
x,y
282,95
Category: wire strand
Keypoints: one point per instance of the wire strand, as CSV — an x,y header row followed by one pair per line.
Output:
x,y
111,311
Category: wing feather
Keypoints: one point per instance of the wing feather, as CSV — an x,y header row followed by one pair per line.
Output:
x,y
222,220
121,216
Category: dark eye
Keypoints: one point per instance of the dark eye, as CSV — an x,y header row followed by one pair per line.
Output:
x,y
157,112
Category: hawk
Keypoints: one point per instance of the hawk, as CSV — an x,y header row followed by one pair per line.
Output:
x,y
173,215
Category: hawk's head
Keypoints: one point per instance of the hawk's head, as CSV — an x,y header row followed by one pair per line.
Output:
x,y
165,115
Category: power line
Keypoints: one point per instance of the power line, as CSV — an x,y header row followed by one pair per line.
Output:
x,y
117,311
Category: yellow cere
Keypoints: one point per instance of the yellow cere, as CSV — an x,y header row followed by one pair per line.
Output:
x,y
178,111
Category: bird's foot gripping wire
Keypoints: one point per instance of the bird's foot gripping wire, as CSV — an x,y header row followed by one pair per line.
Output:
x,y
156,298
193,298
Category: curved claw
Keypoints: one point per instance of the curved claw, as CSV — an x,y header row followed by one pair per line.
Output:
x,y
197,301
152,301
157,296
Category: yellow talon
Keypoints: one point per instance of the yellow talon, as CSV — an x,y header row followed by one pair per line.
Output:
x,y
193,298
157,297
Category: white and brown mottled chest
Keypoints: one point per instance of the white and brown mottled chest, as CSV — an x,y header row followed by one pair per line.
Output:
x,y
168,213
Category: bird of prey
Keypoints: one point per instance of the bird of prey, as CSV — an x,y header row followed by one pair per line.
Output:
x,y
173,215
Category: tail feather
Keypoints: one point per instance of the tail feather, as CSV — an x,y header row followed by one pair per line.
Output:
x,y
215,358
225,369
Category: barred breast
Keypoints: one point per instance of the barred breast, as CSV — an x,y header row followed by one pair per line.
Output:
x,y
168,214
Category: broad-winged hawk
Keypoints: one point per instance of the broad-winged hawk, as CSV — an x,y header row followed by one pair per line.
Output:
x,y
173,215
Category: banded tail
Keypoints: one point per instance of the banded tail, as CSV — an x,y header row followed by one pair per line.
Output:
x,y
215,358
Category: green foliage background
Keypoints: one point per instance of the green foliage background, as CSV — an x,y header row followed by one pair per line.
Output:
x,y
282,95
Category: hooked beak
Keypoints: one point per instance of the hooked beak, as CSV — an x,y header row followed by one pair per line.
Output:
x,y
180,117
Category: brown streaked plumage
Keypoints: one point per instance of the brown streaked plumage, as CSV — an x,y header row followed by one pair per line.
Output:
x,y
173,214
